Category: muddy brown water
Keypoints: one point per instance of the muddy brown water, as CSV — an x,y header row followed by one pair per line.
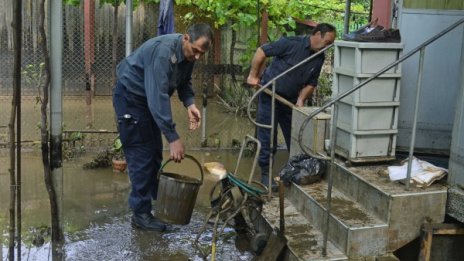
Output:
x,y
97,218
95,210
221,127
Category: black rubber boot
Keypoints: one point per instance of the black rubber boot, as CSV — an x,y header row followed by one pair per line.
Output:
x,y
265,182
146,221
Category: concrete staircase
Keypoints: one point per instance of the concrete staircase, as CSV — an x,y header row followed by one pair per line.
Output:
x,y
370,216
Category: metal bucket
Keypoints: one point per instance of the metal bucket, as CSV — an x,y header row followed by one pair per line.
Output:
x,y
177,195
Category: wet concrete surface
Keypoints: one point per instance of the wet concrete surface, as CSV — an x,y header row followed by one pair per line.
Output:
x,y
97,218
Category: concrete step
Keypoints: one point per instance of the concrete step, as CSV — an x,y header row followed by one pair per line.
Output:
x,y
403,210
356,231
304,242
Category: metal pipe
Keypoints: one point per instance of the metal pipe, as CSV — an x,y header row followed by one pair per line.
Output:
x,y
15,188
128,27
333,137
416,112
56,101
271,143
346,20
247,139
56,123
281,207
204,141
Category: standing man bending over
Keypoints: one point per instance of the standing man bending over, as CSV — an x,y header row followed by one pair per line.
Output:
x,y
295,86
141,100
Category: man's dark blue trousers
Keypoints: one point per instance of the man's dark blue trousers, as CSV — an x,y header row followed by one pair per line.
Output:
x,y
142,145
283,118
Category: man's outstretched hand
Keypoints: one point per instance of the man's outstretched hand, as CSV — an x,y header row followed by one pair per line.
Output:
x,y
194,117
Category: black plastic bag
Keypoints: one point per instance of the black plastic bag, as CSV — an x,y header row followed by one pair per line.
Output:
x,y
302,169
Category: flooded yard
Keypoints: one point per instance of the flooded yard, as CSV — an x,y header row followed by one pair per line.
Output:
x,y
97,218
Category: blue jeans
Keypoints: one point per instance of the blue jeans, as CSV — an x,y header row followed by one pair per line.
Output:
x,y
142,146
283,118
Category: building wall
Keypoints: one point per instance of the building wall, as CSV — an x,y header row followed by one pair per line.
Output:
x,y
456,164
441,78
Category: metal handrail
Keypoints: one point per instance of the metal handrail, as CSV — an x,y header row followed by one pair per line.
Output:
x,y
332,102
356,87
263,87
274,96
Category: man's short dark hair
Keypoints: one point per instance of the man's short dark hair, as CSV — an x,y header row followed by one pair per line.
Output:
x,y
197,31
324,28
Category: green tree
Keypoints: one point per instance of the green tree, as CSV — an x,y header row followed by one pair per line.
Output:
x,y
282,13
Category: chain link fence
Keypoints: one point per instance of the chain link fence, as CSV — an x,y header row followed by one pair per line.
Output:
x,y
93,43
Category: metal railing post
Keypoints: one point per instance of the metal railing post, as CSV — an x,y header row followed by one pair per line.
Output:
x,y
333,137
416,112
271,142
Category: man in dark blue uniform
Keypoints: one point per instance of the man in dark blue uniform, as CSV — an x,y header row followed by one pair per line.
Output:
x,y
295,86
141,99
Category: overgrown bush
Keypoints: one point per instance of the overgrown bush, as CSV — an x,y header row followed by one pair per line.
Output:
x,y
234,97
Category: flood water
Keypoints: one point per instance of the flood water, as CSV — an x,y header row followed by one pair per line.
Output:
x,y
97,218
95,210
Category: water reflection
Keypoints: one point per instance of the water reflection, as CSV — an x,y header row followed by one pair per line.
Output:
x,y
221,127
96,216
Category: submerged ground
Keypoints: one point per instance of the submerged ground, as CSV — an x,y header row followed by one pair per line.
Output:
x,y
97,218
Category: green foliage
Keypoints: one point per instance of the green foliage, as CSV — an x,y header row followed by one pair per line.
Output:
x,y
73,144
72,2
116,2
75,136
324,89
33,75
117,149
282,13
135,3
104,158
37,236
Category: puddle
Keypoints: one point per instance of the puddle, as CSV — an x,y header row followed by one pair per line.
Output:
x,y
97,218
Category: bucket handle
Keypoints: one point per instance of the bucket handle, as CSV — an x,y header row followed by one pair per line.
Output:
x,y
186,156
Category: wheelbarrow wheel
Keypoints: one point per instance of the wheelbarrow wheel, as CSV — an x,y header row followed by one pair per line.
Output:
x,y
258,242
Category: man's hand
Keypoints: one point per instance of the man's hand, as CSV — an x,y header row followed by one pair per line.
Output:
x,y
304,94
257,67
177,150
299,103
194,117
253,81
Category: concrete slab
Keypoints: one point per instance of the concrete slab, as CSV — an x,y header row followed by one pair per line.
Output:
x,y
304,241
455,204
403,210
354,230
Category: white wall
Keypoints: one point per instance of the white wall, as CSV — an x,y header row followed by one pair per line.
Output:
x,y
441,78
